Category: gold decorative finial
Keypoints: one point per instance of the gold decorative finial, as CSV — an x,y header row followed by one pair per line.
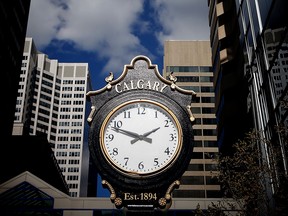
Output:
x,y
172,77
109,79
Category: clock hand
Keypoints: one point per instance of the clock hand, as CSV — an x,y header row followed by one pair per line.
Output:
x,y
144,136
131,134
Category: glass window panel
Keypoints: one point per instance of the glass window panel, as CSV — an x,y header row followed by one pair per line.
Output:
x,y
197,143
264,6
187,79
206,79
255,19
193,69
196,110
213,194
210,167
197,155
193,88
197,132
210,144
195,180
211,180
195,167
205,69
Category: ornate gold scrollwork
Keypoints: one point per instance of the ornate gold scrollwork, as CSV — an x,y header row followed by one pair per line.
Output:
x,y
164,200
111,189
117,200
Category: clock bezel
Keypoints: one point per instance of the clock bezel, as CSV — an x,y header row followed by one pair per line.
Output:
x,y
141,182
151,173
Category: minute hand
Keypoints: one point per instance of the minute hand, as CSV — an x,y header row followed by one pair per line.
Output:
x,y
144,136
131,134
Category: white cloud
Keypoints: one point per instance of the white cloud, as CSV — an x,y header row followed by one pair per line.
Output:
x,y
182,19
93,25
44,21
107,27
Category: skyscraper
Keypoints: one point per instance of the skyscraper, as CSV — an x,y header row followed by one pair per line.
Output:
x,y
190,62
249,54
13,23
51,100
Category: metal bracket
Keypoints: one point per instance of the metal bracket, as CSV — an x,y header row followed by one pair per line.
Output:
x,y
91,115
192,118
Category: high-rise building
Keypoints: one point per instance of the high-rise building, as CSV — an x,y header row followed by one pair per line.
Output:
x,y
13,23
249,43
190,62
52,100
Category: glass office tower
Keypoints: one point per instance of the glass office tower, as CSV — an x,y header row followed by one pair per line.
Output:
x,y
250,65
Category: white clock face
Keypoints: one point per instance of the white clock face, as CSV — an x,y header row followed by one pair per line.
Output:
x,y
141,137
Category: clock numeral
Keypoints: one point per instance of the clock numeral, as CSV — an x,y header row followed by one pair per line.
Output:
x,y
156,162
110,137
141,165
127,114
115,151
141,111
172,137
167,151
156,114
117,124
126,160
166,123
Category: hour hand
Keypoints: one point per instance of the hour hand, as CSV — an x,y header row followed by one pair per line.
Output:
x,y
144,136
131,134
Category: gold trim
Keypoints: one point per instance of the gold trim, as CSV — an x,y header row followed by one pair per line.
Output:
x,y
131,66
111,189
162,202
171,188
136,174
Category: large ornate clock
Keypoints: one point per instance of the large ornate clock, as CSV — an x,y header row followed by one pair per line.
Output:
x,y
140,135
155,144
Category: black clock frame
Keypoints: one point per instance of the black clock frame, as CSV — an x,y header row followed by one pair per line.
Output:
x,y
140,183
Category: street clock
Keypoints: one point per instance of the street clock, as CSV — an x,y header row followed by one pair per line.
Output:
x,y
141,137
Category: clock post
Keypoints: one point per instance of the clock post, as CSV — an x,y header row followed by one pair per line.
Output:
x,y
141,137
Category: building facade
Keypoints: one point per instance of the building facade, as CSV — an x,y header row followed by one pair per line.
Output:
x,y
52,100
190,62
249,55
13,23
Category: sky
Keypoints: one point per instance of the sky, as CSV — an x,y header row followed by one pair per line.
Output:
x,y
108,34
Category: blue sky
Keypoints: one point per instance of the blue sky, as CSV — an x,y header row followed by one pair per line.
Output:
x,y
107,34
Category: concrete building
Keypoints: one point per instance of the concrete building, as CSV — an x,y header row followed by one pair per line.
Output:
x,y
41,198
190,62
52,100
